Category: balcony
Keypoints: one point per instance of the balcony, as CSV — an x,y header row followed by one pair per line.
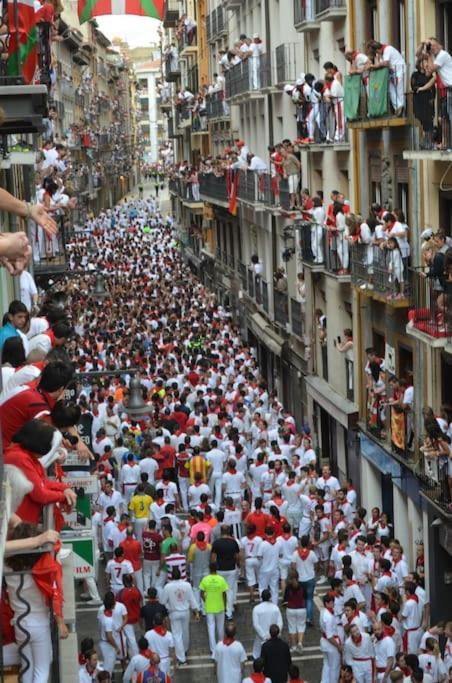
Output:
x,y
24,107
216,105
67,89
188,43
172,68
182,189
252,188
297,317
281,307
305,18
213,189
50,256
330,9
249,78
216,25
183,117
380,274
434,480
198,124
431,134
286,63
312,242
232,4
391,425
370,106
171,14
430,319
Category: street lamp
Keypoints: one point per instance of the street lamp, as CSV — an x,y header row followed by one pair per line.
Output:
x,y
136,407
99,288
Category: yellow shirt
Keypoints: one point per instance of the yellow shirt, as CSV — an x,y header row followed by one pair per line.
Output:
x,y
192,550
140,506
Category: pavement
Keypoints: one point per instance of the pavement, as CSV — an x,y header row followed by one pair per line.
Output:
x,y
200,668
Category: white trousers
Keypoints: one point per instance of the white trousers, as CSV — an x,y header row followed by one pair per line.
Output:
x,y
269,580
131,640
38,652
257,646
362,671
108,653
139,526
150,577
397,88
215,628
231,596
180,628
215,488
184,483
331,662
138,578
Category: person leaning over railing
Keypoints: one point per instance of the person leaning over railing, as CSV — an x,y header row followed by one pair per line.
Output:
x,y
34,590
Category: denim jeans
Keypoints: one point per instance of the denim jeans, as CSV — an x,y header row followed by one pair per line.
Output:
x,y
309,588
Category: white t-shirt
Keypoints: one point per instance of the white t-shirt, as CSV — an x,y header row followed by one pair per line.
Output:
x,y
229,659
117,570
28,289
395,59
305,568
443,60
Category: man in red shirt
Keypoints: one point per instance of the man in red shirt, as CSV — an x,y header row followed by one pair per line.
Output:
x,y
132,600
168,455
23,403
151,554
259,518
134,552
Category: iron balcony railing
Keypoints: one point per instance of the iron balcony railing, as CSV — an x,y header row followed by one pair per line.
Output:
x,y
188,39
432,472
381,270
216,105
325,5
378,95
243,276
304,10
281,307
349,379
198,122
172,68
431,113
297,317
432,305
213,186
183,115
250,75
67,89
251,283
286,63
312,242
265,299
258,289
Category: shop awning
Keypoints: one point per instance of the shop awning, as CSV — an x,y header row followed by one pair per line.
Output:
x,y
265,333
344,411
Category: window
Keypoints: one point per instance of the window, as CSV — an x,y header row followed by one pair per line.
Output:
x,y
402,198
444,24
376,192
405,363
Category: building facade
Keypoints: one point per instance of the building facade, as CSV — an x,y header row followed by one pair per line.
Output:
x,y
298,329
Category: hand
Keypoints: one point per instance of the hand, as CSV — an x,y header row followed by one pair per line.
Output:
x,y
40,216
63,630
71,497
14,245
15,267
49,536
83,451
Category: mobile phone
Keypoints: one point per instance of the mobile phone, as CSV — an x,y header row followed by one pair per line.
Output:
x,y
338,340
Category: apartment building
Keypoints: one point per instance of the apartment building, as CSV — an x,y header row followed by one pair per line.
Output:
x,y
150,125
298,330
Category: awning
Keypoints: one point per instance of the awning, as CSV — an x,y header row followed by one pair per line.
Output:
x,y
344,411
265,333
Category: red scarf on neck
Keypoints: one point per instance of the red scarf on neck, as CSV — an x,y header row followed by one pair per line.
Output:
x,y
303,553
228,641
257,678
161,630
412,596
202,545
357,640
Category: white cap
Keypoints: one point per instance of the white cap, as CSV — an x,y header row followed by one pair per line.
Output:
x,y
288,88
300,81
256,35
302,77
426,234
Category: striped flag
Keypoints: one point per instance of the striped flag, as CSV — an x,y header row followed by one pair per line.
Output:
x,y
87,9
23,44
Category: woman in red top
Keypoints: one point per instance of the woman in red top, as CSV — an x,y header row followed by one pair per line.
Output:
x,y
277,520
34,440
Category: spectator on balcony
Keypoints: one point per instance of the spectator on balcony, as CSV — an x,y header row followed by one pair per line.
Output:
x,y
193,185
441,62
395,269
320,319
14,323
423,85
256,264
358,62
256,51
366,237
291,168
242,151
257,164
336,94
338,238
317,230
387,56
376,394
190,27
280,280
436,270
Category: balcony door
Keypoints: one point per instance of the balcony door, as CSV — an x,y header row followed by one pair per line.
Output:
x,y
444,24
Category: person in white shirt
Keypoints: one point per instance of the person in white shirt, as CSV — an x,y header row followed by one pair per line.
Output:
x,y
359,653
117,568
28,290
129,477
161,641
328,483
411,616
149,465
330,643
388,56
87,673
287,545
217,458
139,662
112,616
291,491
269,570
230,657
233,482
442,62
250,545
264,615
258,670
178,597
305,562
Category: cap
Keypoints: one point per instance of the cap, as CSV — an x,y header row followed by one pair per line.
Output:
x,y
255,35
300,81
288,88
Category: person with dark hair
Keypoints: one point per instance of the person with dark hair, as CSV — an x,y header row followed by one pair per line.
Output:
x,y
36,442
150,609
258,673
89,667
213,590
112,616
276,656
178,597
161,642
14,322
139,662
230,657
53,338
23,403
12,356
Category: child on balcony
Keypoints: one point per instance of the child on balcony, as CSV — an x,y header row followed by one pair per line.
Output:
x,y
395,269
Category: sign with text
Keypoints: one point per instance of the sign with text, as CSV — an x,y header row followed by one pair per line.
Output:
x,y
84,555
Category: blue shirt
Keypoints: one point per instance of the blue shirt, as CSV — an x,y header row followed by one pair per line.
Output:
x,y
6,332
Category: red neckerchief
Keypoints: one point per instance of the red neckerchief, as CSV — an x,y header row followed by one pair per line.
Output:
x,y
341,546
108,519
413,596
258,677
251,537
81,659
108,613
387,574
119,559
231,508
228,641
51,335
270,539
350,582
146,653
330,610
357,640
198,483
396,561
303,553
122,526
326,478
291,482
232,470
202,545
388,631
406,671
161,630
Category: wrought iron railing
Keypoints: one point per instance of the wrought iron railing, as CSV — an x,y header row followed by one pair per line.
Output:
x,y
381,95
250,75
243,276
281,307
304,10
216,105
213,186
432,304
324,5
297,317
265,300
